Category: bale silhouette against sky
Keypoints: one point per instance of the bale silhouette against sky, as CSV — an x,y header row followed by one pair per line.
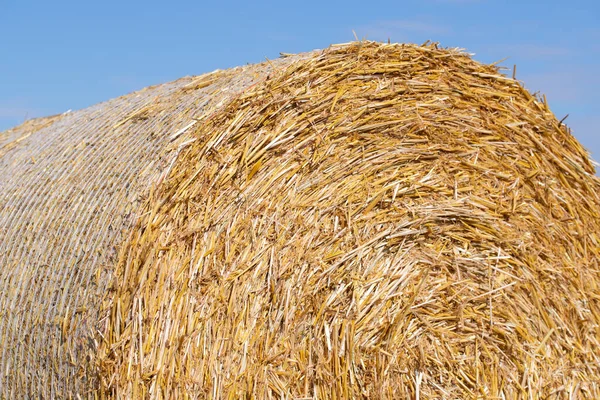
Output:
x,y
371,220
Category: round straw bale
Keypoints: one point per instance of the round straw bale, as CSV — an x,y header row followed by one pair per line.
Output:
x,y
369,221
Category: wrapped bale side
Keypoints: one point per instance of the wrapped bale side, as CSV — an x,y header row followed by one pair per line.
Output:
x,y
70,192
373,220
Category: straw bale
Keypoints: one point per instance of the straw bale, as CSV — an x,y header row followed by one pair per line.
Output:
x,y
368,221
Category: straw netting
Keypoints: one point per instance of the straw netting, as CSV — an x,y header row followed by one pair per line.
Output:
x,y
70,190
370,221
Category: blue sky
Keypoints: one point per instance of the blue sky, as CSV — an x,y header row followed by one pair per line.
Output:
x,y
60,55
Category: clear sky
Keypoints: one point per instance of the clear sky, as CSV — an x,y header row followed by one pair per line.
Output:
x,y
62,54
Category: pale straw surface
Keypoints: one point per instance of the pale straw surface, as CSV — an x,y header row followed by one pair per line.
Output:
x,y
70,190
